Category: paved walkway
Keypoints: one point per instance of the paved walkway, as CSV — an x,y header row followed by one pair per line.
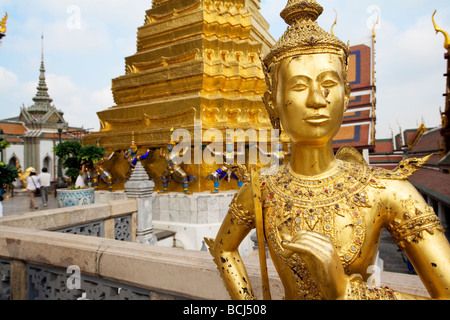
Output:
x,y
20,203
392,258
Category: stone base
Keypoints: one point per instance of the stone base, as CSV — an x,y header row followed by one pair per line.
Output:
x,y
107,196
197,208
193,217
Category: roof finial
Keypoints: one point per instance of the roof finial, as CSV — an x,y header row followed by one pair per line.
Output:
x,y
447,38
335,23
42,47
42,99
3,23
376,23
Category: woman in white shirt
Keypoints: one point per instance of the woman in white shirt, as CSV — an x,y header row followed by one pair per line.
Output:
x,y
32,185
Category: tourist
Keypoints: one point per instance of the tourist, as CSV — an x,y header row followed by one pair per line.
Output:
x,y
44,179
32,185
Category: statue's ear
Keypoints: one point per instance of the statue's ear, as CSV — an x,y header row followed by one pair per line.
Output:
x,y
348,91
268,99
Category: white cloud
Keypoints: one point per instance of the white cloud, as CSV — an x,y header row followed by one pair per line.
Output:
x,y
9,81
78,103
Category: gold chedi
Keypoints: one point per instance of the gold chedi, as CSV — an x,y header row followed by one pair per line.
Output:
x,y
322,214
197,62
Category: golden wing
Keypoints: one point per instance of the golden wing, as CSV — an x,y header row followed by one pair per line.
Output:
x,y
350,154
3,24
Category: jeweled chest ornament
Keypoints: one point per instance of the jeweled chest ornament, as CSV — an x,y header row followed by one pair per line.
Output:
x,y
292,204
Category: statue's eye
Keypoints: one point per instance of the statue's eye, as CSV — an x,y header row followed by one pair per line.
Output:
x,y
329,84
299,87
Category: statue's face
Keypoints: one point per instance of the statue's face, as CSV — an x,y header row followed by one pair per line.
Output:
x,y
311,97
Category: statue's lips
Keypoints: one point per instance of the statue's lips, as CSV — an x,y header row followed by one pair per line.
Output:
x,y
317,119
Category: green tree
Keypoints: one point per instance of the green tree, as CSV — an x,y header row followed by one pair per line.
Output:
x,y
74,155
8,173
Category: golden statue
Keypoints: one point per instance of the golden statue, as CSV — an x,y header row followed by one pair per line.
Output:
x,y
322,216
131,155
173,169
23,176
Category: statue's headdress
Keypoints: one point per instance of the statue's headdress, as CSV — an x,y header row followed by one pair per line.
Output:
x,y
303,36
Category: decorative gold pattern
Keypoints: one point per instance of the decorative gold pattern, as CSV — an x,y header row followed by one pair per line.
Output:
x,y
414,223
404,171
293,204
304,36
358,290
240,215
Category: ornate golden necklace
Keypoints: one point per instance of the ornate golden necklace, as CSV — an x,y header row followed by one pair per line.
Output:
x,y
294,203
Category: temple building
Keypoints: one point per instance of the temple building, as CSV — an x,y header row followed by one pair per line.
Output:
x,y
35,131
358,126
433,179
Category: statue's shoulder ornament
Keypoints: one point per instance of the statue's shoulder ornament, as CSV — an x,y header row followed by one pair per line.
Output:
x,y
404,171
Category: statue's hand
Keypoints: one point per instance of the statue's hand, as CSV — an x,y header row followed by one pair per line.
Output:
x,y
318,253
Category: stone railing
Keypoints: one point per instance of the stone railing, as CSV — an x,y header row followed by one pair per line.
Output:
x,y
36,264
113,220
107,251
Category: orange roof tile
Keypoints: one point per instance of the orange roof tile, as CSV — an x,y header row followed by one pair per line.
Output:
x,y
12,128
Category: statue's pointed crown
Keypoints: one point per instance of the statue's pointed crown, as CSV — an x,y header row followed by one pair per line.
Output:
x,y
304,35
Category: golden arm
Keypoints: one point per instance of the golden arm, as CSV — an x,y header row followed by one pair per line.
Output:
x,y
225,248
418,232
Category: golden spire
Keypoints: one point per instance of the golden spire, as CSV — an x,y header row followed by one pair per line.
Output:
x,y
447,38
304,35
3,24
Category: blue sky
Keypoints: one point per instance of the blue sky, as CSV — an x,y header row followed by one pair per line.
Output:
x,y
86,42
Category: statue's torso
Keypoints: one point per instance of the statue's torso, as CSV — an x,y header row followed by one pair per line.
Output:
x,y
346,206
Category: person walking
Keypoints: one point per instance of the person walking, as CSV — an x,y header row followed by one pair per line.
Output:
x,y
44,179
32,185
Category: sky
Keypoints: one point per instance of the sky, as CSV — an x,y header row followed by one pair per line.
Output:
x,y
86,42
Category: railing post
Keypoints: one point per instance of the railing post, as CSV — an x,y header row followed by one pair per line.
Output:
x,y
140,187
18,280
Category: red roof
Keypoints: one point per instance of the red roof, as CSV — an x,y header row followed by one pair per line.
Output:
x,y
429,141
12,128
432,182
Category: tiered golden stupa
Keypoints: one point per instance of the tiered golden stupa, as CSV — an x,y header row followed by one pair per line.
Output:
x,y
196,60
